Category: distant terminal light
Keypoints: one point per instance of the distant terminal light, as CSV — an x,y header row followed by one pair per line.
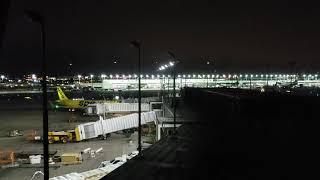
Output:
x,y
91,75
33,76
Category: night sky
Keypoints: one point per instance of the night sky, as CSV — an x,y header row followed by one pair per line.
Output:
x,y
234,35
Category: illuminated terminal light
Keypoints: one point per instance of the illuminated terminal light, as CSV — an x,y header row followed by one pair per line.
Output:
x,y
256,75
117,76
129,75
123,76
223,75
179,75
261,75
251,75
246,75
169,76
135,76
110,76
147,76
152,76
229,76
189,76
171,63
33,77
91,75
158,76
163,76
184,75
141,76
217,76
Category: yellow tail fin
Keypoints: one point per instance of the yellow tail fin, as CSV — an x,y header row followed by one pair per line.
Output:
x,y
61,94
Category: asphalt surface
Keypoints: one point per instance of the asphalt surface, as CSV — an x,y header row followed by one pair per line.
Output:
x,y
24,114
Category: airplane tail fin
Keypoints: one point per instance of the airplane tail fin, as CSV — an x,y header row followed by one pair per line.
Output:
x,y
61,94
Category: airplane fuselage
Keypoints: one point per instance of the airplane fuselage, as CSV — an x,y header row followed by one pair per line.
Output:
x,y
79,104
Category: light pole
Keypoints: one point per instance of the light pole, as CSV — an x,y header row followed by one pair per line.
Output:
x,y
137,45
173,65
35,17
79,77
91,76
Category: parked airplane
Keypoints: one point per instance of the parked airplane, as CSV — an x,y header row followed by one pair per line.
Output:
x,y
65,102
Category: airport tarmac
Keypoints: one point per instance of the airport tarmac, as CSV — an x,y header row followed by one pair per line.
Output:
x,y
26,115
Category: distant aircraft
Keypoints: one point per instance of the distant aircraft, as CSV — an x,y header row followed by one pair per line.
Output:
x,y
65,102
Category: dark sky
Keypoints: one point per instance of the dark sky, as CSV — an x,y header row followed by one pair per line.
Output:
x,y
237,35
